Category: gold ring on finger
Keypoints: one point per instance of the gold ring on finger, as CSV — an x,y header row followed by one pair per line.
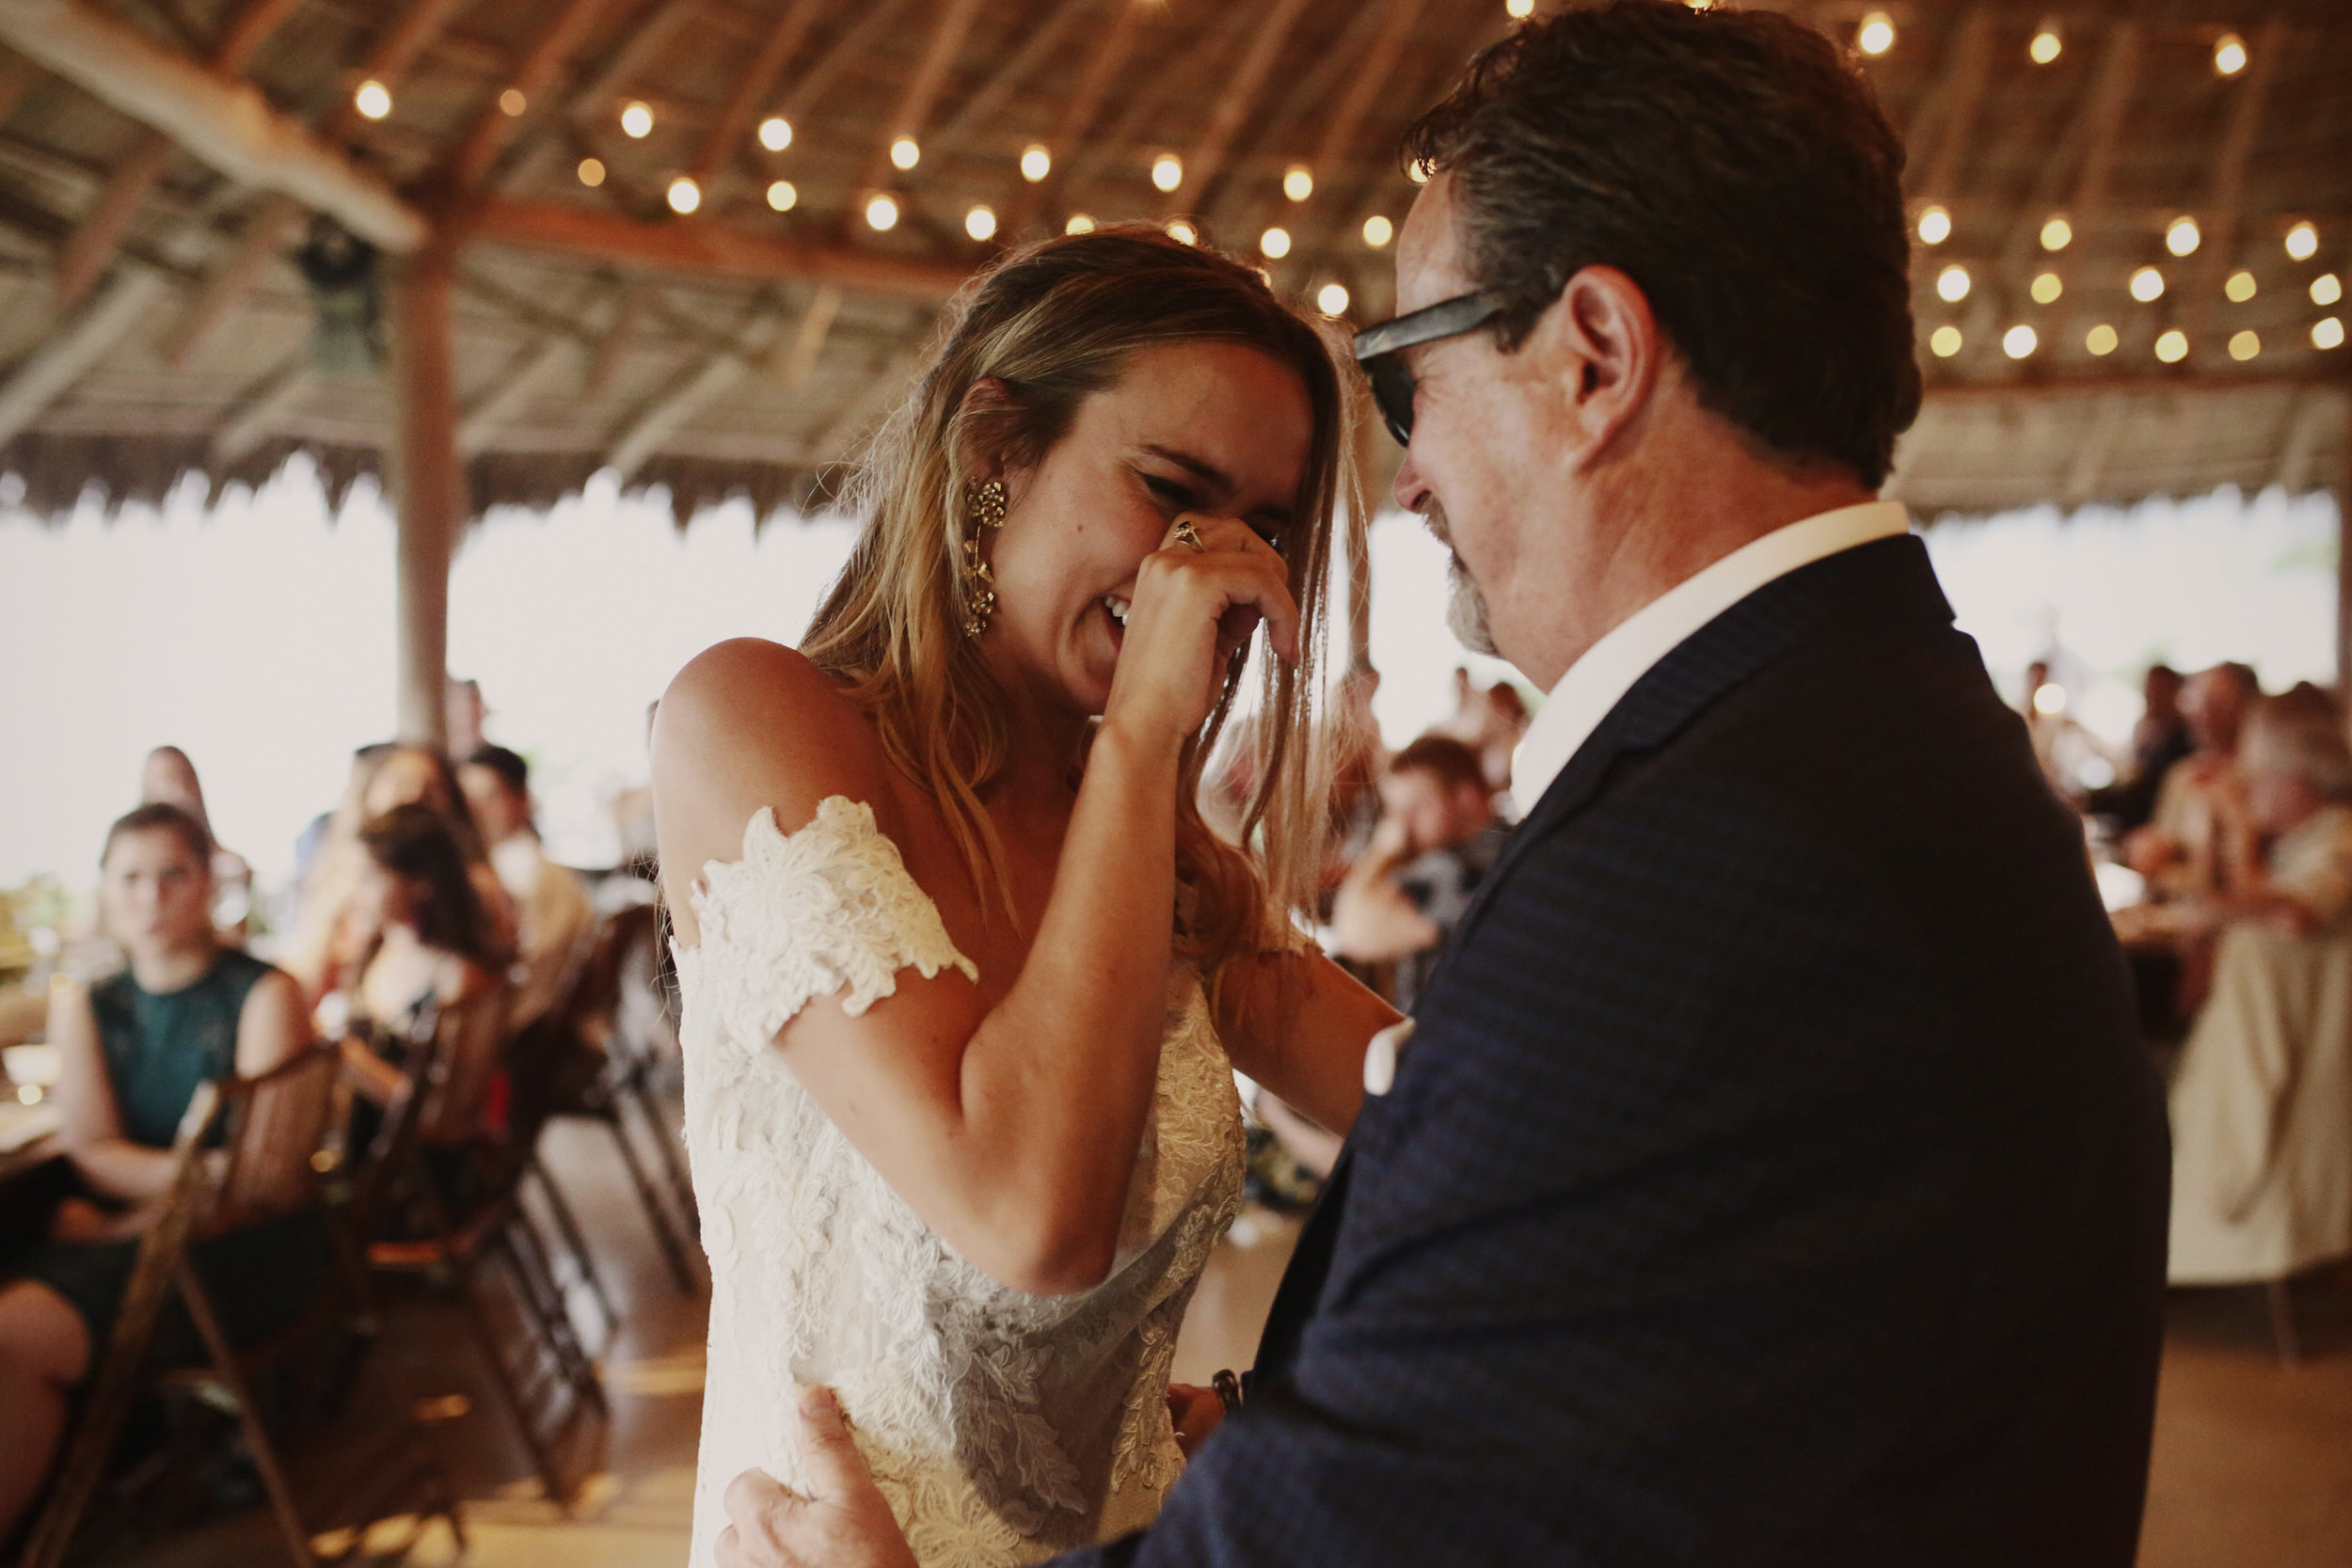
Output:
x,y
1189,537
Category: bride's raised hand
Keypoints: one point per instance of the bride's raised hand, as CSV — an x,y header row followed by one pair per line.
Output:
x,y
1198,599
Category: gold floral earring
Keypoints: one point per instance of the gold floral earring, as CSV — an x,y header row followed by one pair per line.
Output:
x,y
979,582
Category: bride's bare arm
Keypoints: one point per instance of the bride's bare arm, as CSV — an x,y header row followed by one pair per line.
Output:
x,y
1011,1127
1299,1023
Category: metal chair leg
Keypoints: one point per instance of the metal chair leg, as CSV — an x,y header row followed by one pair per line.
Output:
x,y
574,1242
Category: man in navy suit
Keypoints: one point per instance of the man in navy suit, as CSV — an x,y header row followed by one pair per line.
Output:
x,y
1776,1176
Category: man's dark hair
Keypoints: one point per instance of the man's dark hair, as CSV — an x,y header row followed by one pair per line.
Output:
x,y
1738,169
161,816
512,772
1445,759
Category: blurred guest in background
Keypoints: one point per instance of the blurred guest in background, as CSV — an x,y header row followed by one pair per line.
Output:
x,y
435,970
551,909
1489,720
2069,755
1438,837
2199,843
348,812
135,1048
334,934
463,713
169,778
2261,1146
2160,739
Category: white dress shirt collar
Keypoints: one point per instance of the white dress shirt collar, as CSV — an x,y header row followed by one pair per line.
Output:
x,y
1593,683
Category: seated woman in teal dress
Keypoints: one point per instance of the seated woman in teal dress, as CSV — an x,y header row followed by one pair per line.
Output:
x,y
136,1047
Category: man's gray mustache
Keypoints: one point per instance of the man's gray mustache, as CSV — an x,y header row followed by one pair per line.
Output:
x,y
1465,607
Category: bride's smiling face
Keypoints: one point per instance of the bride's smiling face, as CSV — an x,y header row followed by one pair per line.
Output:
x,y
1210,428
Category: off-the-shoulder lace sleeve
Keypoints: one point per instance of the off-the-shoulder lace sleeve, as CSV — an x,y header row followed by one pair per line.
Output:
x,y
829,909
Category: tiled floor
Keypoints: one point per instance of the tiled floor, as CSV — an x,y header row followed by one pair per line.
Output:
x,y
2253,1461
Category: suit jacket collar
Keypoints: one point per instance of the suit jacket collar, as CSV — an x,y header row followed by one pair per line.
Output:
x,y
1870,585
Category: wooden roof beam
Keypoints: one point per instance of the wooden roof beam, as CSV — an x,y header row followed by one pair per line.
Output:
x,y
228,125
265,411
811,85
1947,119
922,88
1234,101
598,93
534,76
97,238
1035,49
1077,116
51,370
661,419
710,249
751,89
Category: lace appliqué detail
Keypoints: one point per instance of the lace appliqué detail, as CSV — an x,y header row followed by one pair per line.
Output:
x,y
1002,1427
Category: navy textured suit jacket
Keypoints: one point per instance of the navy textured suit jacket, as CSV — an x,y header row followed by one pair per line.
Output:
x,y
1776,1176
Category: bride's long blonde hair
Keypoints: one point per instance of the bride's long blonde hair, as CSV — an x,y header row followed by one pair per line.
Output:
x,y
1054,323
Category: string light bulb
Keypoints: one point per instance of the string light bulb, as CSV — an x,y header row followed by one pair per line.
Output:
x,y
1275,244
2172,347
1298,181
2244,345
1035,162
2057,233
2102,340
2302,242
684,194
2047,44
637,119
1876,34
2047,286
373,98
1079,224
1378,231
2019,340
783,195
1518,10
592,172
1951,284
2241,287
2229,56
1935,226
881,211
1167,172
2328,332
2182,236
1331,299
513,102
776,133
1183,232
1945,341
980,222
2327,289
1418,173
905,154
2147,285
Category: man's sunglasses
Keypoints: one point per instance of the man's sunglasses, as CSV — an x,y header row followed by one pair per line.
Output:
x,y
1380,350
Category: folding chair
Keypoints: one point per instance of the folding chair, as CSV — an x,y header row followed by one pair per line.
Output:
x,y
271,1153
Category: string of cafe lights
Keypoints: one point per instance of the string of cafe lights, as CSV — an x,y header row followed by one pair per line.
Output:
x,y
1874,35
2147,284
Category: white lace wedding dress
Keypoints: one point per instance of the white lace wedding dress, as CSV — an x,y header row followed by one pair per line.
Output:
x,y
1003,1427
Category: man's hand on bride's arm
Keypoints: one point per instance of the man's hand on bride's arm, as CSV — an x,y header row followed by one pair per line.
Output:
x,y
843,1523
1299,1023
1193,1412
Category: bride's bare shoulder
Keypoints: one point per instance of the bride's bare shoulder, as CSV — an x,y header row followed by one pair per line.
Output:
x,y
751,723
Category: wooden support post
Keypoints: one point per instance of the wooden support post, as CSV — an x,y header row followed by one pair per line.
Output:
x,y
430,488
2344,557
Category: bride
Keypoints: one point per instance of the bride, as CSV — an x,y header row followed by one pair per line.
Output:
x,y
964,974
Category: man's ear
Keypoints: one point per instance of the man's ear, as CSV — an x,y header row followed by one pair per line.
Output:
x,y
1599,349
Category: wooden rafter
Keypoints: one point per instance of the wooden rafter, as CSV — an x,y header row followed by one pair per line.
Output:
x,y
60,361
1115,149
808,338
758,79
596,96
811,85
1371,76
99,235
694,390
1036,49
1236,98
2102,124
612,345
709,249
1078,111
2225,202
922,87
1947,121
265,411
534,76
